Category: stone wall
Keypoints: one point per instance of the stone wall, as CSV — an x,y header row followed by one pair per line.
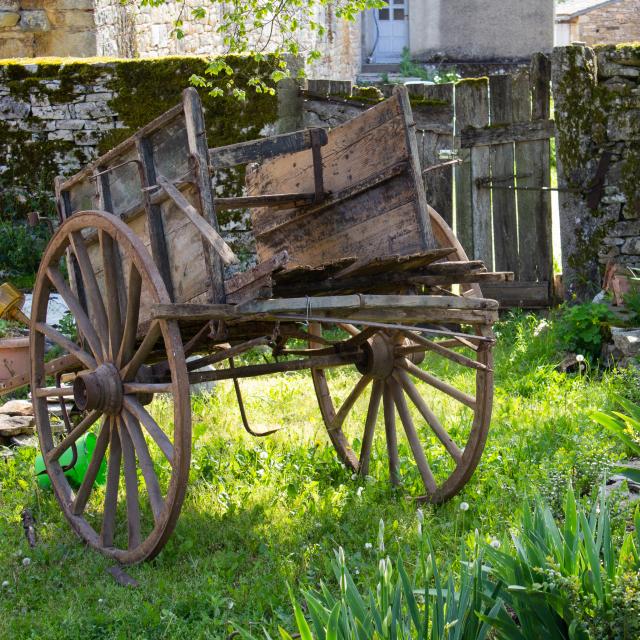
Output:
x,y
597,102
54,118
612,23
30,28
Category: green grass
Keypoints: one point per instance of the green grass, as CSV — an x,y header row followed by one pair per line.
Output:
x,y
261,513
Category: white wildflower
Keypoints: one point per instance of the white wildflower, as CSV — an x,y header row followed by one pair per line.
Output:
x,y
5,584
230,604
100,600
26,562
359,492
464,506
579,358
264,455
368,545
495,543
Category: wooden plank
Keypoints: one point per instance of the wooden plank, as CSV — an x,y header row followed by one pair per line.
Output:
x,y
261,150
472,110
438,110
521,294
533,172
505,222
212,236
481,198
154,219
197,140
415,170
333,199
274,201
514,132
358,151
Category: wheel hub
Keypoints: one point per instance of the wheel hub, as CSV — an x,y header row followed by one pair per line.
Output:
x,y
99,390
380,357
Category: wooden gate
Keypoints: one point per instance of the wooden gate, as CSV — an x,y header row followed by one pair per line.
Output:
x,y
498,198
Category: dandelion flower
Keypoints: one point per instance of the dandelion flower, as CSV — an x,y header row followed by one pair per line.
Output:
x,y
579,358
26,562
464,506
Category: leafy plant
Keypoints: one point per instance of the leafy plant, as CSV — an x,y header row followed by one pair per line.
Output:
x,y
561,580
397,608
410,69
626,428
582,328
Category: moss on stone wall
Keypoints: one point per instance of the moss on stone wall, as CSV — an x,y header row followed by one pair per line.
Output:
x,y
142,90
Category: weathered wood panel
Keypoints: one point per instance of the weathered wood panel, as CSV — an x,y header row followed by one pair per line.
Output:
x,y
387,218
472,109
505,223
434,125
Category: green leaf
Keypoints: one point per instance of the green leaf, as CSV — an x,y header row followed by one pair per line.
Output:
x,y
332,624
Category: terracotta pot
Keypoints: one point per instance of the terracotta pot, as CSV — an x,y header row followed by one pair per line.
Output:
x,y
14,357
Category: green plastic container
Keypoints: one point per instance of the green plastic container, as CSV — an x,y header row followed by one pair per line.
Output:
x,y
85,445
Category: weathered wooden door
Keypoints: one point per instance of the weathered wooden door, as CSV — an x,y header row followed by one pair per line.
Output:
x,y
498,199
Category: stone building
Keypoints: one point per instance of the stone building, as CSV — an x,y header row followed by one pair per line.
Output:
x,y
597,22
453,30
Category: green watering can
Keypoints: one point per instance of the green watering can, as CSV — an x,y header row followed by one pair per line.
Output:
x,y
85,446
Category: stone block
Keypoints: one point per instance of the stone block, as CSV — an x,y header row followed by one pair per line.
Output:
x,y
73,19
73,124
56,112
11,108
90,110
626,228
86,138
631,246
10,5
61,134
17,408
624,125
626,341
34,21
8,19
16,425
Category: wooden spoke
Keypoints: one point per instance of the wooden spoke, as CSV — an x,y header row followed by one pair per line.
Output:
x,y
128,434
112,286
131,486
80,430
349,328
443,351
96,305
64,342
54,392
445,387
146,465
441,433
351,399
147,387
86,487
458,342
390,432
82,320
113,483
370,426
132,405
130,370
412,436
131,319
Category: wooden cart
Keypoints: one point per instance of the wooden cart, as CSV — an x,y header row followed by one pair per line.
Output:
x,y
354,271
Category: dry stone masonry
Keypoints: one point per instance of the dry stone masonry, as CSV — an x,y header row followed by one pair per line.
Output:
x,y
597,102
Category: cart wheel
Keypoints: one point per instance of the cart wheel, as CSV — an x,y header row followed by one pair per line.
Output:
x,y
115,277
444,461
